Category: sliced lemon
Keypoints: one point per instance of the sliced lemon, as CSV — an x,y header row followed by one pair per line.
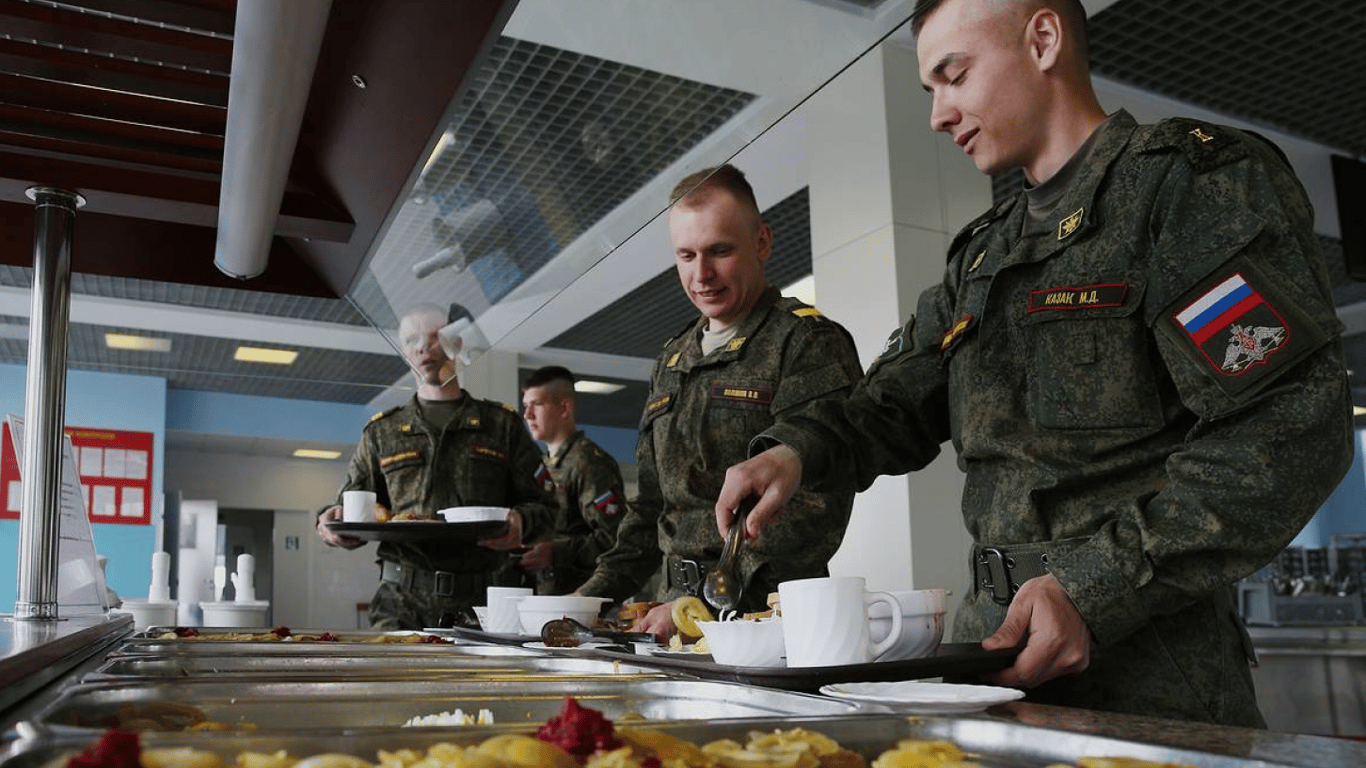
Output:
x,y
687,611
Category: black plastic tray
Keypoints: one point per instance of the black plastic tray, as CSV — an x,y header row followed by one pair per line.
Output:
x,y
403,532
956,660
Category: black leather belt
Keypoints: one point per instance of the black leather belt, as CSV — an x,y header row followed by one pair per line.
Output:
x,y
438,583
687,575
1001,570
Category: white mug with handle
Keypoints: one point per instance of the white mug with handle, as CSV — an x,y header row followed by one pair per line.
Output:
x,y
825,621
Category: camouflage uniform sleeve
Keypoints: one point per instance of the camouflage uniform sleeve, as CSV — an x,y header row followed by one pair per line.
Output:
x,y
1267,440
535,504
364,474
635,555
891,423
601,492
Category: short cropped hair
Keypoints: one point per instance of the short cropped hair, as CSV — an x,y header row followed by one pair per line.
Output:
x,y
708,180
1072,11
550,374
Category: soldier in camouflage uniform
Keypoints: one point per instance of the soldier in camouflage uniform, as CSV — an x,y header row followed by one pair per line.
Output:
x,y
754,359
588,486
444,448
1137,361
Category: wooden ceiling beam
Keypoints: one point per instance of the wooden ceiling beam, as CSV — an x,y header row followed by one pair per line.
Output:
x,y
70,98
102,34
79,68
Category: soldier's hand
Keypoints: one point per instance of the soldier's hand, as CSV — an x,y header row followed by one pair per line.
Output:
x,y
331,515
510,540
658,622
1059,642
772,476
539,558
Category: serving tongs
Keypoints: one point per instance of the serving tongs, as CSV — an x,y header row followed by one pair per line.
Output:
x,y
722,586
568,633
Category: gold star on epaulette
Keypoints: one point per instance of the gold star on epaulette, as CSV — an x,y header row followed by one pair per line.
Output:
x,y
508,408
807,312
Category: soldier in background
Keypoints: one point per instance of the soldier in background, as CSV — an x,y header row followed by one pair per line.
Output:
x,y
751,360
1137,360
444,448
587,483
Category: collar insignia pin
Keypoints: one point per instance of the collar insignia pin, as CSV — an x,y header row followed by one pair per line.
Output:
x,y
1069,225
1200,134
977,262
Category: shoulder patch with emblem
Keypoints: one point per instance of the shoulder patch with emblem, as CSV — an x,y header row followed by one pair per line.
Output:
x,y
1237,325
1206,145
543,478
608,504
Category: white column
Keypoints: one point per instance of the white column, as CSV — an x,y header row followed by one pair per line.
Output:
x,y
887,196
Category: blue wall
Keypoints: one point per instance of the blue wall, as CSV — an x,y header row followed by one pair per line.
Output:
x,y
226,414
114,401
1345,509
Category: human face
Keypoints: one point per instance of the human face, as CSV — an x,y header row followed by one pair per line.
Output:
x,y
422,349
720,253
546,415
984,85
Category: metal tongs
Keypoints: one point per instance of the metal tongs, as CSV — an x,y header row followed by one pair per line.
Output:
x,y
723,586
568,633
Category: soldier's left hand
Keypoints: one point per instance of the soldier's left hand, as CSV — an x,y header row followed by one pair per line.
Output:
x,y
510,540
1058,640
541,557
658,622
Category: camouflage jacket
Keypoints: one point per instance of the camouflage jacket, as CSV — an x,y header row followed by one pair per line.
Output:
x,y
1153,375
700,416
483,457
592,500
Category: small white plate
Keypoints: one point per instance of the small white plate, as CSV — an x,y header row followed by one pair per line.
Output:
x,y
474,514
918,697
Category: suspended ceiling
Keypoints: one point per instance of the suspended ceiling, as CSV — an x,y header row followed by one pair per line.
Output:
x,y
572,144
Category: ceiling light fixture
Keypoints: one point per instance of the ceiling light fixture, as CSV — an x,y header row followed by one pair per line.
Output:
x,y
597,387
315,453
263,355
1358,411
139,343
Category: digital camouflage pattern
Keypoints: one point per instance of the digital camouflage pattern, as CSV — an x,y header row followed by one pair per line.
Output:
x,y
1099,381
483,457
701,414
592,500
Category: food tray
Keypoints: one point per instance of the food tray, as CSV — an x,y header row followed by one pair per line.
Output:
x,y
992,742
418,531
458,663
950,660
295,705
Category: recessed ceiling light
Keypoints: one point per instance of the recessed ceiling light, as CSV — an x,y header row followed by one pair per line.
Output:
x,y
597,387
1358,411
263,355
140,343
314,453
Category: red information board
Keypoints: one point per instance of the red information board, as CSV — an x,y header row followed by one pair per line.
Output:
x,y
115,467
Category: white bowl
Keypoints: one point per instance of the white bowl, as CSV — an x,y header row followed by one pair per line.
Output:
x,y
238,613
745,643
922,624
535,610
150,613
474,514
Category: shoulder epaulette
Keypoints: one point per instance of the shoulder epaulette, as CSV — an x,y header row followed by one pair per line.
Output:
x,y
505,406
808,311
382,414
1206,145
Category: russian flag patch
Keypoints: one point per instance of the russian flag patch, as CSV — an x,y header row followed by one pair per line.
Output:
x,y
1234,326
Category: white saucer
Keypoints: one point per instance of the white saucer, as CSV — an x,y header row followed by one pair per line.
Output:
x,y
474,514
918,697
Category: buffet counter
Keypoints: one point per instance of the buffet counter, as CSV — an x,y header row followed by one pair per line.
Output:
x,y
354,693
1312,679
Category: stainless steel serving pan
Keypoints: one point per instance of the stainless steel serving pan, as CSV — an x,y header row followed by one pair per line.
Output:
x,y
993,742
456,663
351,646
286,705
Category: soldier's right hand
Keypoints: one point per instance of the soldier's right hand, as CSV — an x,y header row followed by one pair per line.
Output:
x,y
331,515
772,477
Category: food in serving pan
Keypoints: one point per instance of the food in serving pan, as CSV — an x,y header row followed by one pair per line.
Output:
x,y
285,634
578,736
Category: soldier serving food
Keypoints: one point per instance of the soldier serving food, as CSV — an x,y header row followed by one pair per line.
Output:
x,y
443,448
1136,359
753,359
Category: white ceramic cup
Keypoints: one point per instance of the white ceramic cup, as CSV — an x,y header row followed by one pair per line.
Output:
x,y
503,616
825,621
358,507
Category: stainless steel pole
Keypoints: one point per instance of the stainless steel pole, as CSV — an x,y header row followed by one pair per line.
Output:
x,y
45,402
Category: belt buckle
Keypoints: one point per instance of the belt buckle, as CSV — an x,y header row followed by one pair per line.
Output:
x,y
690,574
443,583
997,578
